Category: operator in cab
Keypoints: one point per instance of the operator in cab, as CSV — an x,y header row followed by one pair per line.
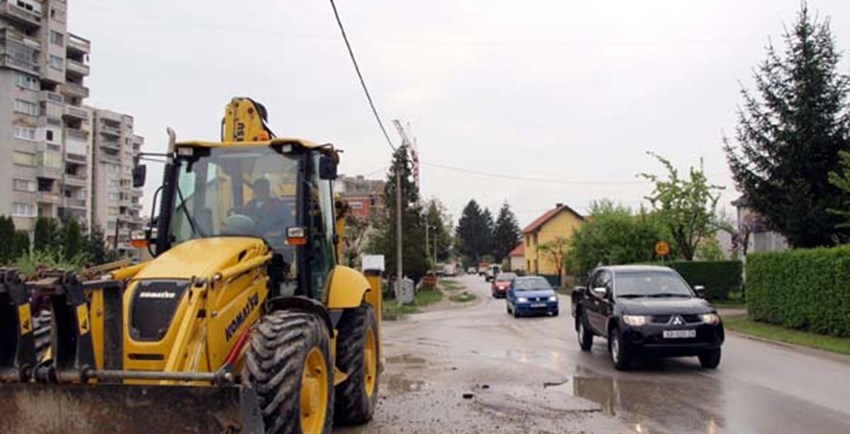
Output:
x,y
271,215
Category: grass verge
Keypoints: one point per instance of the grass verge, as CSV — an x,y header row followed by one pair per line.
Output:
x,y
450,285
742,324
735,301
462,297
392,310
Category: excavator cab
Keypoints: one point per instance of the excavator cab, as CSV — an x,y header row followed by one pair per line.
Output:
x,y
242,322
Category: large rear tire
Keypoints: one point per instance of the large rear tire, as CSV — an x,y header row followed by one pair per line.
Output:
x,y
288,363
357,354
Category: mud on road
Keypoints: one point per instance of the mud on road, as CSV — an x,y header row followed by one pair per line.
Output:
x,y
473,370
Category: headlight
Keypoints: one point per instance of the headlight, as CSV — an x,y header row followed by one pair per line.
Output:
x,y
522,300
710,318
553,298
635,320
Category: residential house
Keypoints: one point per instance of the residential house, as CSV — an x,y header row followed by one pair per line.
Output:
x,y
753,231
516,259
554,229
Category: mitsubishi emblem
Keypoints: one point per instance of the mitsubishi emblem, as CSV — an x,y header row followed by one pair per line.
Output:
x,y
677,320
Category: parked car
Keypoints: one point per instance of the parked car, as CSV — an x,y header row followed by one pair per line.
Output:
x,y
647,310
501,283
482,268
531,295
471,270
492,271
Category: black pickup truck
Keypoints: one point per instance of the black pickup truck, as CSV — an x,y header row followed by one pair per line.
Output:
x,y
646,310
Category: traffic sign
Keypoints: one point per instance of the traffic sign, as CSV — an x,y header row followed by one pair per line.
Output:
x,y
662,248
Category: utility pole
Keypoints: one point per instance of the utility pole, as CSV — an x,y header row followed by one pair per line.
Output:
x,y
427,244
399,273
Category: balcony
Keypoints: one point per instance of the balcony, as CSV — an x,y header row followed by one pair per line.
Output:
x,y
71,202
78,44
46,95
30,18
47,197
75,113
110,130
49,172
110,144
110,158
78,68
74,89
75,181
75,158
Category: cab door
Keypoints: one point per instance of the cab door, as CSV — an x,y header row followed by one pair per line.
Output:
x,y
598,305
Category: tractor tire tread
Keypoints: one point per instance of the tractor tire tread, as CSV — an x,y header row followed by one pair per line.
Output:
x,y
353,405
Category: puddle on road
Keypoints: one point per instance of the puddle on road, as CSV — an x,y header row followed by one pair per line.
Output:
x,y
399,384
407,359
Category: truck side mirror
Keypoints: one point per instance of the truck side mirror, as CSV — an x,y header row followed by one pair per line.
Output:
x,y
327,167
700,290
140,172
600,291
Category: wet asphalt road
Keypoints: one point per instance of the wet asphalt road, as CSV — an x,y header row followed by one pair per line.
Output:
x,y
528,375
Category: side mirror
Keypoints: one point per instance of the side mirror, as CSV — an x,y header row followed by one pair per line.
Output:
x,y
327,167
140,172
600,291
700,290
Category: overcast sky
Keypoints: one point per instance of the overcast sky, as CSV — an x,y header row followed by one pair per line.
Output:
x,y
575,92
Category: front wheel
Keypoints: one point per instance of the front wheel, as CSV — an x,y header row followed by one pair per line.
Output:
x,y
619,355
357,354
288,365
710,359
585,336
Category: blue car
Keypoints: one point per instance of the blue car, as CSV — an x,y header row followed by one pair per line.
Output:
x,y
531,295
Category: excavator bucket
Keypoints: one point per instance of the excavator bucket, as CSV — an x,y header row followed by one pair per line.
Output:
x,y
30,408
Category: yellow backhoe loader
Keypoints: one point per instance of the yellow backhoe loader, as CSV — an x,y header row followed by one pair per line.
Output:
x,y
242,321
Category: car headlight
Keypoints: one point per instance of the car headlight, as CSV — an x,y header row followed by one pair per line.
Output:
x,y
710,318
553,298
522,299
635,320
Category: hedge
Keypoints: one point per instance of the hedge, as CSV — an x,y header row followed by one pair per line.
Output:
x,y
718,277
801,289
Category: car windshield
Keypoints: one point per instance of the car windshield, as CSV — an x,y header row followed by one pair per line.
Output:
x,y
505,277
531,284
650,283
236,191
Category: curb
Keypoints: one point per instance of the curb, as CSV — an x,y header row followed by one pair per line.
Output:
x,y
838,357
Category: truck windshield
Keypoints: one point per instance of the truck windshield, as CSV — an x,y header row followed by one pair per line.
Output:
x,y
247,191
650,284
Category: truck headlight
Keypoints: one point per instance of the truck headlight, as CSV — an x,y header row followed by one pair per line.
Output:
x,y
553,298
710,318
635,320
522,300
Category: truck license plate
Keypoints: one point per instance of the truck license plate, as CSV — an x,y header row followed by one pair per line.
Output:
x,y
679,334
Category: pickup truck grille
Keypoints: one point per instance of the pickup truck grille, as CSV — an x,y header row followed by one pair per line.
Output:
x,y
665,319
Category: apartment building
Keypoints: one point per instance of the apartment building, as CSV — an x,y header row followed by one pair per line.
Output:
x,y
363,196
117,205
63,158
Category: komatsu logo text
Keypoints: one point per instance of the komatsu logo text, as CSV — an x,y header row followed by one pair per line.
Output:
x,y
253,302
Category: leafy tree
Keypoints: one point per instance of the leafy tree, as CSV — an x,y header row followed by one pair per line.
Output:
x,y
20,244
506,234
46,235
95,249
72,238
789,133
613,235
473,232
686,206
7,234
440,225
414,259
555,251
710,250
354,239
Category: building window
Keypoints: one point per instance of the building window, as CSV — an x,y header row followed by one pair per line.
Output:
x,y
52,160
114,196
28,82
57,38
24,185
49,135
23,210
24,133
27,107
23,159
57,62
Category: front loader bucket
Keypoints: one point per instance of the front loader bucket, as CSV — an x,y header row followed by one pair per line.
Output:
x,y
30,408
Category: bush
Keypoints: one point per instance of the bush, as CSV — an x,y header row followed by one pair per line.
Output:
x,y
801,289
718,277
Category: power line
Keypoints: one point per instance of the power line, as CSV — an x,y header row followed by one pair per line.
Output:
x,y
530,179
360,76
